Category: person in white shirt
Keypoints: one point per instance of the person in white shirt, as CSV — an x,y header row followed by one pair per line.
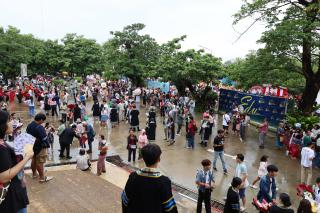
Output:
x,y
262,170
242,172
307,155
225,122
83,162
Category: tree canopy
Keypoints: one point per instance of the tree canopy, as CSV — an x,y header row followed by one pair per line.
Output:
x,y
292,32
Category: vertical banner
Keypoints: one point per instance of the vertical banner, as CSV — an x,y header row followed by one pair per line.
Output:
x,y
24,71
258,107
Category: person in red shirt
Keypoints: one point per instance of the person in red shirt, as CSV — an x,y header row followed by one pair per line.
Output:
x,y
132,145
191,131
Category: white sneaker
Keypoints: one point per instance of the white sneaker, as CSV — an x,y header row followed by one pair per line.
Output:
x,y
254,186
242,208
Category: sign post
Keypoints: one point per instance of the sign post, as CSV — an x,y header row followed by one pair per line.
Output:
x,y
24,71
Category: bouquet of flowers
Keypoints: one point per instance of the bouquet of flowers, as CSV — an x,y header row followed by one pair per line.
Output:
x,y
302,189
263,206
71,106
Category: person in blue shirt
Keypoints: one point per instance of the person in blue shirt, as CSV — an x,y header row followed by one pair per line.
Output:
x,y
205,183
90,133
268,185
83,99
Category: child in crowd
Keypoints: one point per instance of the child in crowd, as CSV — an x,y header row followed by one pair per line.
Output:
x,y
50,130
101,166
142,141
83,139
83,162
262,170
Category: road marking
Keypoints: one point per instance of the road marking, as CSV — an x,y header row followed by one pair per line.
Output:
x,y
230,156
190,198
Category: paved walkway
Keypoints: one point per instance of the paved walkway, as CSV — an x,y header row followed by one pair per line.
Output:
x,y
73,191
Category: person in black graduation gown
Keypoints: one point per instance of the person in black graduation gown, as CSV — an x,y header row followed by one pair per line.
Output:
x,y
96,109
134,121
76,113
152,125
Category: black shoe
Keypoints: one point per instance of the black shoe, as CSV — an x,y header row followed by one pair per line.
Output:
x,y
61,156
215,169
89,151
69,157
225,172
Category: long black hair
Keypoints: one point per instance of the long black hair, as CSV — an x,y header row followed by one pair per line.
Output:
x,y
4,118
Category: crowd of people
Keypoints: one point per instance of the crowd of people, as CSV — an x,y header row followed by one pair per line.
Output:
x,y
118,102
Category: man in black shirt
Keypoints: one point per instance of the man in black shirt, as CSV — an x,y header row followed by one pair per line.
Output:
x,y
66,140
218,146
40,147
147,190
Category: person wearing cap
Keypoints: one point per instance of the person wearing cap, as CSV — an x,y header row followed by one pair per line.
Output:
x,y
66,140
307,156
263,129
284,206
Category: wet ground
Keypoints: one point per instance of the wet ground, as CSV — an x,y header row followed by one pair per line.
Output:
x,y
181,164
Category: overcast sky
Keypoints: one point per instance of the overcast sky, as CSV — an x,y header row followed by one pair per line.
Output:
x,y
206,23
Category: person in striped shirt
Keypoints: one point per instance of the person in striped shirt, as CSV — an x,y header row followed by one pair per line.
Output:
x,y
147,190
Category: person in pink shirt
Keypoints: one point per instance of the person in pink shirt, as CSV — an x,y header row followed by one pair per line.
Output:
x,y
263,129
142,141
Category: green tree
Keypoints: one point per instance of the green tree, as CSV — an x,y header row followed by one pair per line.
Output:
x,y
293,31
130,54
186,68
261,67
14,50
81,56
